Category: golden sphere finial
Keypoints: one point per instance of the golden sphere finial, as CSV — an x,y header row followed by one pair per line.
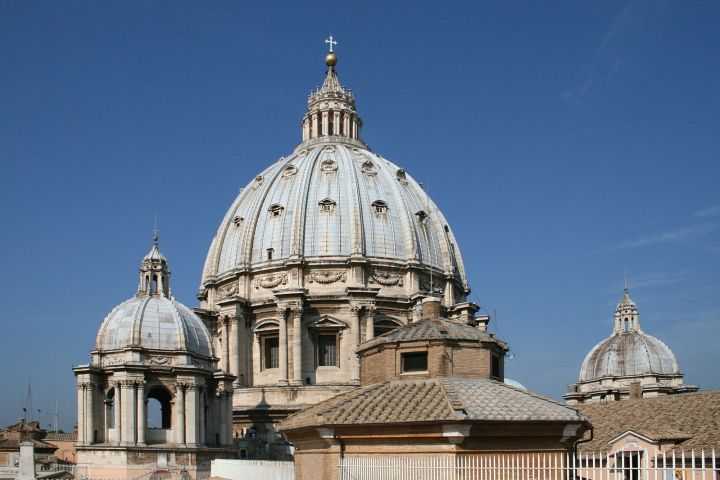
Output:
x,y
331,59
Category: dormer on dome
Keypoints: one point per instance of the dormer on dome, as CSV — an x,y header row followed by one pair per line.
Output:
x,y
331,107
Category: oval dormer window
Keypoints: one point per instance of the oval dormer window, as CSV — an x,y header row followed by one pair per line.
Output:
x,y
276,210
237,221
401,176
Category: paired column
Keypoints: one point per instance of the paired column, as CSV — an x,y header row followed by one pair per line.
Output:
x,y
191,417
128,412
355,341
117,413
296,313
315,126
141,414
235,347
89,423
81,412
226,343
180,422
201,413
369,322
325,123
283,346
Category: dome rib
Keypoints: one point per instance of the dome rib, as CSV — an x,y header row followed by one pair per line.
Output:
x,y
304,231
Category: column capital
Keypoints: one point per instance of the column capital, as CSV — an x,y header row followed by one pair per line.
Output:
x,y
296,309
355,308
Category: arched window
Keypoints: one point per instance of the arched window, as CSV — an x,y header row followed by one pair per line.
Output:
x,y
159,408
110,408
627,325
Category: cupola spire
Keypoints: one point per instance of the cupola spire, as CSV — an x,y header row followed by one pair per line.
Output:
x,y
331,107
154,271
627,318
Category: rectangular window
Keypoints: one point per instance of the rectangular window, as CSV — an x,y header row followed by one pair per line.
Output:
x,y
271,352
327,350
496,366
414,362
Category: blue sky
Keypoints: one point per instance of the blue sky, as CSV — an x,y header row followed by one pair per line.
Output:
x,y
566,143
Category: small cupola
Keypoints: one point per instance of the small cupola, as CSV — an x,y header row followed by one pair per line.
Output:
x,y
154,273
627,317
331,108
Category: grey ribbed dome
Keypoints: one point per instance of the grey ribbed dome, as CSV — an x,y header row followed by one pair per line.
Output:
x,y
333,199
153,319
154,323
626,354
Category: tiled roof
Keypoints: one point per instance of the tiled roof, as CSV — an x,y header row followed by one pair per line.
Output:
x,y
431,400
694,417
60,437
431,329
491,400
8,444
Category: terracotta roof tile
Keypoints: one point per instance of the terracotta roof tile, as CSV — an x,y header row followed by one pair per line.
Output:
x,y
692,420
431,329
431,400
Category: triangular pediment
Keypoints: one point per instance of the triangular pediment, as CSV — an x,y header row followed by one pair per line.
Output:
x,y
326,321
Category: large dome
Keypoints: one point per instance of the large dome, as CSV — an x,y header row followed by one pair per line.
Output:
x,y
628,354
333,199
154,323
153,319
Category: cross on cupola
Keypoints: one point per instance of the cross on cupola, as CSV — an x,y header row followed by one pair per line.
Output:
x,y
331,111
331,41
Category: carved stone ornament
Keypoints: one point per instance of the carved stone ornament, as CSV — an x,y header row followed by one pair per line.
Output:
x,y
435,288
289,171
227,290
387,279
326,276
271,281
159,360
368,169
258,181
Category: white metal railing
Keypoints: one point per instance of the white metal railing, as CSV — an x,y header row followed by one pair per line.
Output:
x,y
623,465
62,467
253,469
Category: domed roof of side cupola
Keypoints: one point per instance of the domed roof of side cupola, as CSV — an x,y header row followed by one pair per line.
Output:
x,y
628,351
333,198
153,319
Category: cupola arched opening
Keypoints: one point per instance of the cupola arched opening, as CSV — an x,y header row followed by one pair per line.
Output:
x,y
159,410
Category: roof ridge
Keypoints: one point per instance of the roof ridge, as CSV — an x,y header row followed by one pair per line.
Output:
x,y
452,398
